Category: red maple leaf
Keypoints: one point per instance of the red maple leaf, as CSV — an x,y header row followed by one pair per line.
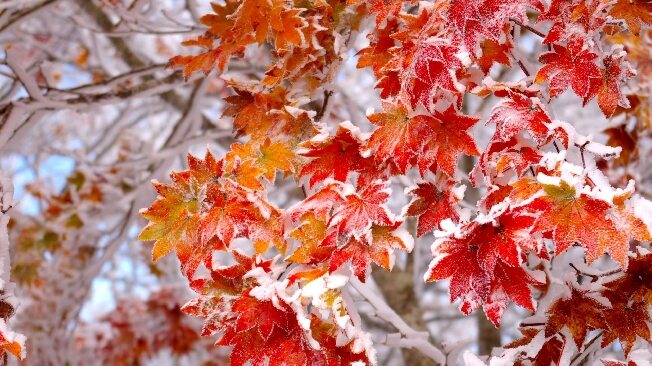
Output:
x,y
358,211
335,156
447,139
500,157
578,313
494,52
399,138
571,18
263,332
378,53
477,19
484,265
616,73
320,203
433,67
550,352
431,204
520,113
385,8
626,321
378,247
636,282
572,66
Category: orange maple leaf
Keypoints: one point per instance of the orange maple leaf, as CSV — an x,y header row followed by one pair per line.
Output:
x,y
579,219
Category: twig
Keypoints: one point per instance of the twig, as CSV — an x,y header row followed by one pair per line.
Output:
x,y
322,110
594,277
580,356
530,28
522,66
22,14
532,324
21,74
582,153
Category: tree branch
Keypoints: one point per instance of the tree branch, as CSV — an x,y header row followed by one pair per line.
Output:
x,y
411,338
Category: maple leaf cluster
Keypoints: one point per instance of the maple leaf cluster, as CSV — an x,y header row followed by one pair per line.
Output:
x,y
127,336
618,309
427,58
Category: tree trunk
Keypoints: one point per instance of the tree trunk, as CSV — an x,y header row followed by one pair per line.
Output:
x,y
488,335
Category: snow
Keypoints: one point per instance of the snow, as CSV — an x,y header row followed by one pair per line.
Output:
x,y
472,360
643,210
12,336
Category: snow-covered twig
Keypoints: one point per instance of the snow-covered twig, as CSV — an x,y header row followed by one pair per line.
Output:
x,y
411,338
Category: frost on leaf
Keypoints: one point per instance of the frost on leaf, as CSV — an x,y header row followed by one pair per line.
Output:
x,y
399,138
484,262
549,353
572,66
425,56
263,159
429,141
448,138
354,217
379,52
236,24
379,249
631,297
432,204
173,218
521,113
616,73
494,52
339,226
260,321
385,8
432,70
571,18
310,234
336,156
636,13
499,158
579,314
201,211
598,230
477,19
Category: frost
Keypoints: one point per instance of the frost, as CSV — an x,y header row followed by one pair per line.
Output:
x,y
405,237
548,180
494,212
458,192
606,192
464,56
448,228
550,160
355,130
643,210
435,261
604,151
